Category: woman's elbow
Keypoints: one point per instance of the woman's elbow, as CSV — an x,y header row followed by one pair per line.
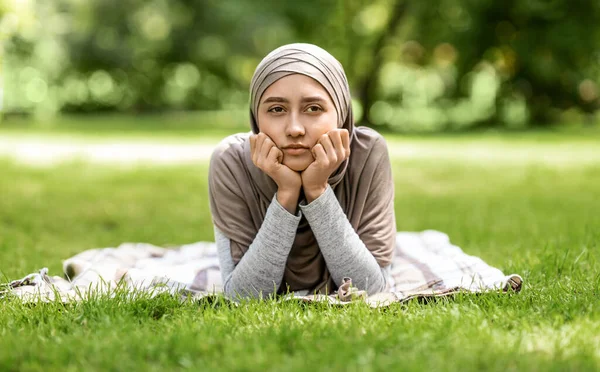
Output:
x,y
238,293
379,284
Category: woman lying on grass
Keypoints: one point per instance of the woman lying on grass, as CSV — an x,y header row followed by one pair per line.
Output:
x,y
306,199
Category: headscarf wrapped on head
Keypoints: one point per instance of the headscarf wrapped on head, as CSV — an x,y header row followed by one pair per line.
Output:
x,y
240,193
309,60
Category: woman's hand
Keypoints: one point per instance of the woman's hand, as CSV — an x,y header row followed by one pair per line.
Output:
x,y
267,157
329,152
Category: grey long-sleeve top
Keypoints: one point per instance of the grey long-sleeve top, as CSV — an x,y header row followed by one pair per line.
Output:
x,y
260,271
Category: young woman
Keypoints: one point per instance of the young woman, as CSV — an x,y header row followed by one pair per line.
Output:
x,y
306,198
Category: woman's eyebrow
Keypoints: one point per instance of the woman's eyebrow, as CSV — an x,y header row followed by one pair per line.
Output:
x,y
303,100
275,99
313,99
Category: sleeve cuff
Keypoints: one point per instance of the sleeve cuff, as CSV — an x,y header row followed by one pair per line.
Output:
x,y
281,212
279,225
323,201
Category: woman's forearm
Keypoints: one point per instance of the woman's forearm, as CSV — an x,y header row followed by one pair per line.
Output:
x,y
260,271
344,252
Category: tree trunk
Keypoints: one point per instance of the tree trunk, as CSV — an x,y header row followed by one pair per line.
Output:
x,y
366,91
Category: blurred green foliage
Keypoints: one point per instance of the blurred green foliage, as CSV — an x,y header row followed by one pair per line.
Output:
x,y
412,65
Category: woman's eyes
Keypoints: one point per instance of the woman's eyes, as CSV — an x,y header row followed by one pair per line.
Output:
x,y
311,108
277,109
314,108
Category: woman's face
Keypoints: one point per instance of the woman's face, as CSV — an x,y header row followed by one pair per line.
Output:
x,y
295,112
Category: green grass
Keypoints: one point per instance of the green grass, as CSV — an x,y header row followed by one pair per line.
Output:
x,y
181,126
535,218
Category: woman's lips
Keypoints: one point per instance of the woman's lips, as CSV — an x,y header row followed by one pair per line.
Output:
x,y
295,150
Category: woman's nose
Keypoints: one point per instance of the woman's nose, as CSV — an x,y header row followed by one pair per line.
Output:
x,y
294,127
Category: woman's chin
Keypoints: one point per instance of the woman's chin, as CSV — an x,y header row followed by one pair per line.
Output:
x,y
297,166
298,163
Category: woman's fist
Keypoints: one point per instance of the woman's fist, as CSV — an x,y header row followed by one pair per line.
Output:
x,y
330,152
268,158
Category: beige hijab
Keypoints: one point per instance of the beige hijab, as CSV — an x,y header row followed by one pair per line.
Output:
x,y
240,193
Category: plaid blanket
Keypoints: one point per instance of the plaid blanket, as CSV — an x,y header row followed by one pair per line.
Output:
x,y
426,264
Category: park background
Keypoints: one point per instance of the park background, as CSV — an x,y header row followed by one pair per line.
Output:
x,y
109,111
412,65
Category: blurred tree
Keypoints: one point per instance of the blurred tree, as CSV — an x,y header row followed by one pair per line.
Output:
x,y
545,52
412,65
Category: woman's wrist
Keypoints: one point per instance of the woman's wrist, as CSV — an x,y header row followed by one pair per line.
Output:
x,y
288,198
313,193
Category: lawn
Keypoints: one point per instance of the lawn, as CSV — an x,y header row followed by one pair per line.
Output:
x,y
537,216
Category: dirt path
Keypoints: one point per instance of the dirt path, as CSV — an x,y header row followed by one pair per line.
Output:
x,y
52,151
48,151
